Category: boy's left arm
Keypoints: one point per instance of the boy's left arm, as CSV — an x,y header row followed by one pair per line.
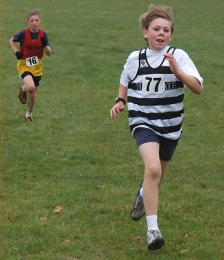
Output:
x,y
47,50
189,81
45,43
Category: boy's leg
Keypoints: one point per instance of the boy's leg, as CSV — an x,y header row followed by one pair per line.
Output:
x,y
138,210
153,172
31,90
152,178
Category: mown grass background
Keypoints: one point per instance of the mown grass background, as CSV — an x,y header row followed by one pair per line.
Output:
x,y
74,156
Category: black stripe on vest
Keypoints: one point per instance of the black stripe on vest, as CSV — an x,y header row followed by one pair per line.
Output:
x,y
154,116
162,130
156,101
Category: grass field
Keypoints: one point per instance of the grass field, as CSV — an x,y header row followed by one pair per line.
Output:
x,y
74,156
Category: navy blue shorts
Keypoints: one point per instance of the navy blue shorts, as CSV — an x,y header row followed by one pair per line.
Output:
x,y
167,146
36,79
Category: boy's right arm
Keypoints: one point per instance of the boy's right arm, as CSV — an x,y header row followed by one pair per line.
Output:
x,y
119,106
13,45
14,48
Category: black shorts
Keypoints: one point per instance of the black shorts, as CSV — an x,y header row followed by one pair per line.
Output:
x,y
167,146
36,79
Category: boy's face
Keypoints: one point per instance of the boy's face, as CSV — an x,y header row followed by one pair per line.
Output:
x,y
158,34
34,23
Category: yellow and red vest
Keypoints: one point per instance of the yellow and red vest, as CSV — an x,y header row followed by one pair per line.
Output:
x,y
32,59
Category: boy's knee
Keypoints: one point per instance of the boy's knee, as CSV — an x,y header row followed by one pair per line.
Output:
x,y
153,172
32,89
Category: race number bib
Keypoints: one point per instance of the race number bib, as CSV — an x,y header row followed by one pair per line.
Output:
x,y
153,83
31,61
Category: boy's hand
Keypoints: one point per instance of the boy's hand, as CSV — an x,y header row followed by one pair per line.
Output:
x,y
172,62
19,55
43,41
117,108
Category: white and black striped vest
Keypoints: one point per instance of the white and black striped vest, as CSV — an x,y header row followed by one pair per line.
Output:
x,y
155,99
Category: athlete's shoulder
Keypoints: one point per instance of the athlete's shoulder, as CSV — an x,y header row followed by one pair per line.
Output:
x,y
19,36
21,33
45,34
134,55
179,52
42,31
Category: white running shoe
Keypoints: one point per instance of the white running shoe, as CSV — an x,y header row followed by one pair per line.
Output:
x,y
155,240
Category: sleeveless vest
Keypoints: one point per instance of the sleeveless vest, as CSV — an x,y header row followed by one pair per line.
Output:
x,y
155,99
31,47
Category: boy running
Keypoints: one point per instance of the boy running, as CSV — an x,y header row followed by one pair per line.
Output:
x,y
33,42
153,81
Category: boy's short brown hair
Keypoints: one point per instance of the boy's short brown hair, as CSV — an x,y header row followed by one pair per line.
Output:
x,y
33,12
154,12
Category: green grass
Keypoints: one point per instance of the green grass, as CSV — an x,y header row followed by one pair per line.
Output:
x,y
73,155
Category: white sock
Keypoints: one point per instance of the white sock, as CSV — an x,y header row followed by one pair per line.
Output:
x,y
28,113
141,192
24,87
152,222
